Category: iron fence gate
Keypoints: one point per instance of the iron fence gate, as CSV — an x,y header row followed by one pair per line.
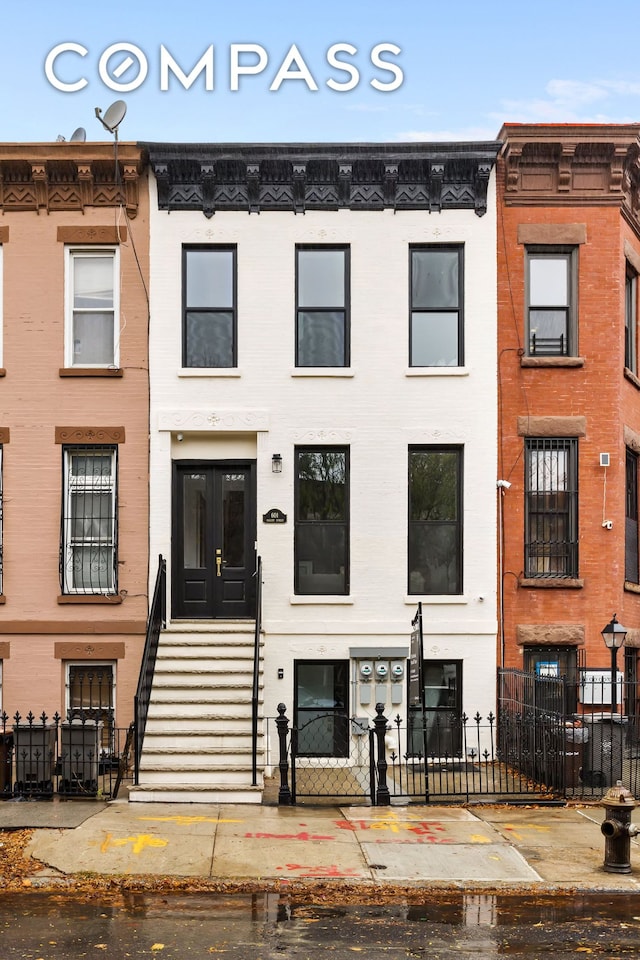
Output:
x,y
332,756
385,760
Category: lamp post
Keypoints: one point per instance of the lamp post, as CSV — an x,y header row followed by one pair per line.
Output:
x,y
614,635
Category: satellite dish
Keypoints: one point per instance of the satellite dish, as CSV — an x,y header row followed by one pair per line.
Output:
x,y
79,135
114,115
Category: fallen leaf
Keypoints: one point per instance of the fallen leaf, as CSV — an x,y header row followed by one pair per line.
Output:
x,y
158,946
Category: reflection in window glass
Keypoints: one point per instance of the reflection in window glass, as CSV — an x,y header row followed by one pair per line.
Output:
x,y
321,531
321,309
209,323
435,525
436,307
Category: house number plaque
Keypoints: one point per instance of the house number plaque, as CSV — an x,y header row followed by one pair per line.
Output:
x,y
274,516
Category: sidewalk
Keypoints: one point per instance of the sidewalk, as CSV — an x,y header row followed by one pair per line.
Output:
x,y
511,848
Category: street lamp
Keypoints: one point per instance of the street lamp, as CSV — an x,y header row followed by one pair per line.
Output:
x,y
614,635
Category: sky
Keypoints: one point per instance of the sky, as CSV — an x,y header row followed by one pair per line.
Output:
x,y
291,71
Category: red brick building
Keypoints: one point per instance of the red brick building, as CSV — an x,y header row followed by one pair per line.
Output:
x,y
74,241
569,394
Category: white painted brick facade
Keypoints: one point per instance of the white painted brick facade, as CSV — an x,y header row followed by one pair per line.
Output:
x,y
378,407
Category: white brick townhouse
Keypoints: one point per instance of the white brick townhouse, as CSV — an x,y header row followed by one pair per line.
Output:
x,y
323,396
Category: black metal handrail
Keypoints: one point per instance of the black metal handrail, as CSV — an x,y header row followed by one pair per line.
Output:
x,y
156,622
256,674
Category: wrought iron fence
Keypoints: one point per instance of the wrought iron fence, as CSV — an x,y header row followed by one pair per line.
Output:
x,y
42,757
525,752
561,732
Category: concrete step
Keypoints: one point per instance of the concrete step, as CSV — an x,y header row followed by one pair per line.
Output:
x,y
196,793
225,753
211,627
211,672
212,774
204,650
204,710
198,740
201,693
205,741
212,663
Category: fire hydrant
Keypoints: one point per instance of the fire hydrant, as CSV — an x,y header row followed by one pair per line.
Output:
x,y
617,828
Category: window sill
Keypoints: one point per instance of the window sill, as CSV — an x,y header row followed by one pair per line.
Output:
x,y
632,377
91,371
319,599
434,598
99,598
631,587
323,372
552,361
3,372
436,372
195,372
548,583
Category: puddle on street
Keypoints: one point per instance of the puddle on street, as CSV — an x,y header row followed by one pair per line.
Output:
x,y
184,925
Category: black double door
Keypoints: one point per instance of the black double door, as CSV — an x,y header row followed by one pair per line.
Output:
x,y
214,531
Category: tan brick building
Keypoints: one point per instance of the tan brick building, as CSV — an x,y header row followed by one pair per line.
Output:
x,y
73,426
569,394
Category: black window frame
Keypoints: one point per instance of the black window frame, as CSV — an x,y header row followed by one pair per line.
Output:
x,y
631,555
459,309
300,525
567,343
631,319
414,525
188,308
560,506
324,714
325,308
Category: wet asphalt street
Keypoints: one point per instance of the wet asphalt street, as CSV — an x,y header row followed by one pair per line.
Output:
x,y
270,926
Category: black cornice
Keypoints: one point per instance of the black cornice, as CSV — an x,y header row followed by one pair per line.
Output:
x,y
300,177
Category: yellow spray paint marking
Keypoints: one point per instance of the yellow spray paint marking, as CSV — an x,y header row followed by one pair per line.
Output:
x,y
479,838
525,826
138,843
186,821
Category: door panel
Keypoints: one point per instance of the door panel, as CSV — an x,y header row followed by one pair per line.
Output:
x,y
213,540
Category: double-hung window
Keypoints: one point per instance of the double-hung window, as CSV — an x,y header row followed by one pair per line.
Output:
x,y
88,537
209,294
435,520
551,301
322,307
437,300
630,320
321,540
92,307
551,507
631,565
1,515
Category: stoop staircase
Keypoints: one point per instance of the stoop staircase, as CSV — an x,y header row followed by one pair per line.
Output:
x,y
198,743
